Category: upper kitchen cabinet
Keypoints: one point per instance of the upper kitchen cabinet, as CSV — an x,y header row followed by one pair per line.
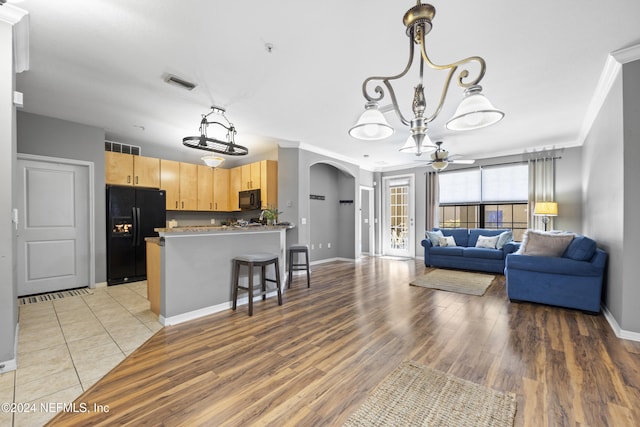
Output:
x,y
221,190
129,169
170,183
205,188
180,181
235,186
269,184
251,176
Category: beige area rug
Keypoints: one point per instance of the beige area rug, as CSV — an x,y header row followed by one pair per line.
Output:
x,y
34,299
462,282
415,395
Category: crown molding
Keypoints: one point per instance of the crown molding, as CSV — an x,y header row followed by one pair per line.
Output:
x,y
19,19
627,54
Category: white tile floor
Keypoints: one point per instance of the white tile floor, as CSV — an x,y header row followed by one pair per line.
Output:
x,y
66,345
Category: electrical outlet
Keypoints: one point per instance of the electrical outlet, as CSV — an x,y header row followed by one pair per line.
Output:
x,y
213,221
312,246
328,245
303,221
319,245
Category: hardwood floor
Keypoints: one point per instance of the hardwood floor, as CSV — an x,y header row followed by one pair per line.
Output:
x,y
313,360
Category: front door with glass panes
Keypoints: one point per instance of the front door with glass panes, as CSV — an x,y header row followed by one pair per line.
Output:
x,y
398,216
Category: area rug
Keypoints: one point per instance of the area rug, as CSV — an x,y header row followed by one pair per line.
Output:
x,y
415,395
462,282
34,299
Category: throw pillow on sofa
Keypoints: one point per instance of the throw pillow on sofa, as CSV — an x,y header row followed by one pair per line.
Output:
x,y
488,242
435,237
540,243
447,241
505,236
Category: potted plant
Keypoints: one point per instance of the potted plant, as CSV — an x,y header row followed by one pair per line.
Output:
x,y
271,215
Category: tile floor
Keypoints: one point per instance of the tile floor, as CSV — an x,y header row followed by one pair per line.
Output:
x,y
66,345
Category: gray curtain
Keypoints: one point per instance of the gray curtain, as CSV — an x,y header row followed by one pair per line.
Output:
x,y
542,171
433,196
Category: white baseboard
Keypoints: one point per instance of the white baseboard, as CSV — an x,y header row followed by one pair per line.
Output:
x,y
195,314
12,364
620,333
326,260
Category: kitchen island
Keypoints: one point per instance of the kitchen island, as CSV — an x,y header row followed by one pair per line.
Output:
x,y
193,267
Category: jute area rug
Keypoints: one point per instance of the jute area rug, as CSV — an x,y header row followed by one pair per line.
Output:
x,y
463,282
415,395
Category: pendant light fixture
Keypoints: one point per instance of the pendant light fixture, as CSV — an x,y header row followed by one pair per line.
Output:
x,y
474,112
204,142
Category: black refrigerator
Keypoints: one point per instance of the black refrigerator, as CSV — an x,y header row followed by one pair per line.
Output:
x,y
132,215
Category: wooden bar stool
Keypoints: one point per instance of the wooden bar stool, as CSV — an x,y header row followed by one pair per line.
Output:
x,y
261,260
294,262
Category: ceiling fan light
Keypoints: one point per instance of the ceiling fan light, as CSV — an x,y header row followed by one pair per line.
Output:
x,y
475,111
439,165
212,161
371,124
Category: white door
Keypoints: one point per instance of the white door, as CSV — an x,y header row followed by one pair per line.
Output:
x,y
53,226
398,231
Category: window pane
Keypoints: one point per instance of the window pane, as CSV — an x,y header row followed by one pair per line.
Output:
x,y
460,186
509,183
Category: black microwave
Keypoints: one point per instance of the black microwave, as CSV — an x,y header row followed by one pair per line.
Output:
x,y
250,199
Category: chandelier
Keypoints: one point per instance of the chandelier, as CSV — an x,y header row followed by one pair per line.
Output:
x,y
475,110
203,142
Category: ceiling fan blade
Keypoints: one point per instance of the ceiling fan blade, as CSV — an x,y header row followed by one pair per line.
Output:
x,y
463,161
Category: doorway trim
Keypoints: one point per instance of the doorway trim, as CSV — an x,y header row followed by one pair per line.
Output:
x,y
90,173
372,242
385,226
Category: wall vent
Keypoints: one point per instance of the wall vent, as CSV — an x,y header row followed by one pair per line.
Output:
x,y
118,147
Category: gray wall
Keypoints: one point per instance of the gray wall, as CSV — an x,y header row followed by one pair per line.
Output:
x,y
46,136
8,287
324,215
611,205
294,188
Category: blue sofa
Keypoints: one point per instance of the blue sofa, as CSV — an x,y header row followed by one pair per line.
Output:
x,y
465,255
573,280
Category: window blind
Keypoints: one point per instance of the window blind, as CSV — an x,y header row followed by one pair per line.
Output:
x,y
460,186
508,183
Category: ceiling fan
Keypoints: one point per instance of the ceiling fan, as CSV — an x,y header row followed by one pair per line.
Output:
x,y
440,158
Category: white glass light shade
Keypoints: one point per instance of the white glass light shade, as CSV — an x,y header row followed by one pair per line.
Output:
x,y
371,125
439,165
212,161
474,112
410,147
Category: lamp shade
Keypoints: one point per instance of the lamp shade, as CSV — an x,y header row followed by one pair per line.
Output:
x,y
410,147
212,161
371,125
474,112
546,209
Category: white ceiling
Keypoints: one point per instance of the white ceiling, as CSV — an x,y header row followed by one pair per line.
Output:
x,y
101,62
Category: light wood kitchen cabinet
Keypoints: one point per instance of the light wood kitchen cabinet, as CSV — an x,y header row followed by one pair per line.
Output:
x,y
128,169
235,186
205,188
188,186
269,184
251,176
180,181
221,190
170,183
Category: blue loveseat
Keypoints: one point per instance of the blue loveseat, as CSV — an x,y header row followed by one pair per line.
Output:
x,y
465,255
572,280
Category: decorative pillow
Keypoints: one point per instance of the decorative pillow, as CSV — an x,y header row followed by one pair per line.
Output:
x,y
434,236
488,242
581,249
447,241
540,243
504,237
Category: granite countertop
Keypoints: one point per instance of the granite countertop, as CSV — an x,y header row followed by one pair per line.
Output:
x,y
223,229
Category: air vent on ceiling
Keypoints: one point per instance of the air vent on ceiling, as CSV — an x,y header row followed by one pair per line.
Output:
x,y
118,147
175,80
